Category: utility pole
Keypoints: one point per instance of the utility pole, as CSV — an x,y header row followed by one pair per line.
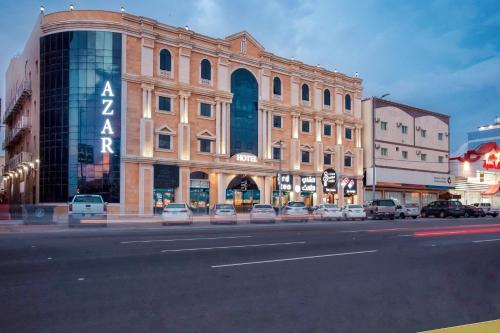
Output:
x,y
279,178
374,99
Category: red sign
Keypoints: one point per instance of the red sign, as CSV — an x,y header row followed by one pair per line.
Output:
x,y
491,160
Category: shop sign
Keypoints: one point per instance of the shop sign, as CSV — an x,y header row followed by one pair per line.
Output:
x,y
245,157
491,160
229,194
329,180
307,184
285,182
107,112
350,185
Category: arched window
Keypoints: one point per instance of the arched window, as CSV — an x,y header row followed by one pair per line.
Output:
x,y
165,60
348,102
206,70
277,86
326,97
305,92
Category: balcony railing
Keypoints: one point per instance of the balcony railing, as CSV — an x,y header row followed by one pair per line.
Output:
x,y
20,128
23,92
17,160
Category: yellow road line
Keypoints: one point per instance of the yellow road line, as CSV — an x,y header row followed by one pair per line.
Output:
x,y
492,326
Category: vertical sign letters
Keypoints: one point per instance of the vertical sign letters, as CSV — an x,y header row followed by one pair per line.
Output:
x,y
107,111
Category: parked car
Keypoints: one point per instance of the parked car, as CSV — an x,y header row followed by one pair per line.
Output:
x,y
409,210
381,208
443,209
262,213
87,209
177,213
488,209
352,212
223,213
328,212
473,211
295,211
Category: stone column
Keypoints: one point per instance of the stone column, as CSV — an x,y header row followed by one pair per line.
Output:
x,y
217,127
224,128
264,134
267,190
269,134
340,133
260,143
228,128
146,132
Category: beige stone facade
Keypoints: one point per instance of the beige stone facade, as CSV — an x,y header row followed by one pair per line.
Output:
x,y
143,121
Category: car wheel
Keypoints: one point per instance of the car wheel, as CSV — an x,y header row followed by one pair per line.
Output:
x,y
362,219
494,215
423,214
414,217
392,217
402,215
442,214
466,214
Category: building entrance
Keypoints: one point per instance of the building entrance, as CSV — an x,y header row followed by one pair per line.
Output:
x,y
243,192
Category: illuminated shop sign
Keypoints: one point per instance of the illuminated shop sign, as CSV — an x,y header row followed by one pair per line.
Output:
x,y
491,160
107,112
308,183
349,185
329,180
285,182
244,157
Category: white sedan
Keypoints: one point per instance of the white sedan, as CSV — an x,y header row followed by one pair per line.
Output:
x,y
177,213
352,212
262,213
329,212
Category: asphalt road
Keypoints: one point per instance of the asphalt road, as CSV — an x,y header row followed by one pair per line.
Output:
x,y
372,276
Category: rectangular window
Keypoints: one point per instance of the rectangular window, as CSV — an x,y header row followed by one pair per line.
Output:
x,y
423,133
164,104
348,161
405,154
164,141
327,159
277,121
348,133
206,110
276,153
383,125
205,145
306,156
383,151
440,159
423,157
306,126
327,130
404,129
440,136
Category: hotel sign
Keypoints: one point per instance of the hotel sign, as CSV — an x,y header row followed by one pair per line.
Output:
x,y
245,157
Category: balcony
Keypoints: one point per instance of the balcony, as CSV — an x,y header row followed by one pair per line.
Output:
x,y
19,159
17,132
23,92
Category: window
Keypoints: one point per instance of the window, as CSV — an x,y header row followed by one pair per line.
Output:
x,y
206,70
327,130
348,133
164,141
306,156
326,97
164,103
423,133
165,60
405,154
205,110
276,153
440,159
404,129
348,161
277,121
306,126
277,86
440,136
205,145
423,157
348,102
383,151
383,125
305,92
327,158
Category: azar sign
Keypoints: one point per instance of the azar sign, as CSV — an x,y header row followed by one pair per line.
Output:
x,y
329,180
308,183
107,111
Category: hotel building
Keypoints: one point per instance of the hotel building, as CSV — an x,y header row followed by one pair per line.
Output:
x,y
144,114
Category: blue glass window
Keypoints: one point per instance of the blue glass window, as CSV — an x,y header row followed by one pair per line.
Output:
x,y
277,86
327,130
164,103
348,133
348,161
348,102
305,92
326,97
276,153
306,124
206,70
164,141
306,156
205,110
165,60
277,121
327,159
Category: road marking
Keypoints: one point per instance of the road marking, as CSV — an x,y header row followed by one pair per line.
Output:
x,y
232,247
81,279
492,326
183,239
411,235
292,259
486,240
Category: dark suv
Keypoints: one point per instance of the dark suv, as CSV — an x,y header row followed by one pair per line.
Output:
x,y
443,208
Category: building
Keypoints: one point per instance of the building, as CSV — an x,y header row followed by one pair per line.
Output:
x,y
410,147
145,114
478,181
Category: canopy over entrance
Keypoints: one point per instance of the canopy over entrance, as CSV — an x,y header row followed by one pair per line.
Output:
x,y
491,190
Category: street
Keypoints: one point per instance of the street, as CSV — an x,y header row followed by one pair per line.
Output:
x,y
371,276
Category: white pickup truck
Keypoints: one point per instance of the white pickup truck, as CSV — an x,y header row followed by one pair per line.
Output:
x,y
87,209
488,209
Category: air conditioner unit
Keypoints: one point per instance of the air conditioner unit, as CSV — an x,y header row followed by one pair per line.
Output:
x,y
397,148
377,146
399,124
418,152
418,128
377,120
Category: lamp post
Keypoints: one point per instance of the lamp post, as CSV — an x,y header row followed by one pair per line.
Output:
x,y
374,99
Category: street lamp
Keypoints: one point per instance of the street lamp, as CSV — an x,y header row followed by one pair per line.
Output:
x,y
280,142
374,99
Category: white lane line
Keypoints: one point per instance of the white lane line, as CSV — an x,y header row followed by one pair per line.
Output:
x,y
410,235
487,240
183,239
232,247
291,259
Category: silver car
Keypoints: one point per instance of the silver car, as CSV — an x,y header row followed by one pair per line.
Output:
x,y
328,212
295,211
262,213
409,210
223,213
177,213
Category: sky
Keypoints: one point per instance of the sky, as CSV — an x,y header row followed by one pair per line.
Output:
x,y
440,55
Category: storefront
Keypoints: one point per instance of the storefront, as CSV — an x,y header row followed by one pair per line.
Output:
x,y
330,184
285,184
243,193
166,181
199,192
350,187
308,190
